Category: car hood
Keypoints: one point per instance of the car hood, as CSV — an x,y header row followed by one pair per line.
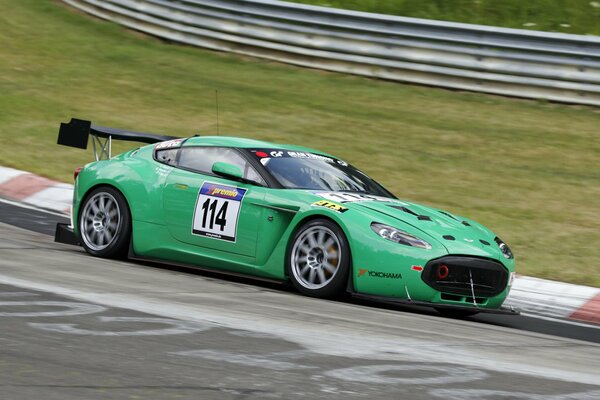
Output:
x,y
457,234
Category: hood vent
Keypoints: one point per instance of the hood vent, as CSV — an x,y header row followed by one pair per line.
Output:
x,y
409,211
448,215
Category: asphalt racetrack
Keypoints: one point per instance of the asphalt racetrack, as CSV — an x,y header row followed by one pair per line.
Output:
x,y
77,327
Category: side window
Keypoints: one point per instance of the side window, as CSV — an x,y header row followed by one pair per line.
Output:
x,y
166,156
201,159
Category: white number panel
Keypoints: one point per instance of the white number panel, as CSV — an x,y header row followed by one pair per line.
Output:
x,y
217,211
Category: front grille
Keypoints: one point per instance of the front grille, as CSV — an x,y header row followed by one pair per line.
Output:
x,y
453,274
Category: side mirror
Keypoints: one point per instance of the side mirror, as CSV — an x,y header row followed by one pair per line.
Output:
x,y
227,170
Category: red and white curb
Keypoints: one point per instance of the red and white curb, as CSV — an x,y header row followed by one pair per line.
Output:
x,y
555,299
35,190
534,297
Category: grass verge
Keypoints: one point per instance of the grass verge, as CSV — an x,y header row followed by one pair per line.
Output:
x,y
566,16
527,169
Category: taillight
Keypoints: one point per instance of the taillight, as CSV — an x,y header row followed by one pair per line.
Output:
x,y
76,172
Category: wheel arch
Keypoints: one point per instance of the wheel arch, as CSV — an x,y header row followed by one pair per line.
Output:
x,y
86,194
120,241
311,217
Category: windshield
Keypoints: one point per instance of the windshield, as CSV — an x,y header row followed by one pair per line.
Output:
x,y
302,170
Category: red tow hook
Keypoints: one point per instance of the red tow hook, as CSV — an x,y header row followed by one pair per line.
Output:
x,y
443,271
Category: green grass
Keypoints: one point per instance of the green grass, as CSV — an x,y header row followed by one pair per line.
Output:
x,y
567,16
529,170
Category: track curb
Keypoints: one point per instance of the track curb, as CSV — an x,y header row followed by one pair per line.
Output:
x,y
35,190
535,296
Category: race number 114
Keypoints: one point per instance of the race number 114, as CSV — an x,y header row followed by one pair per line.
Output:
x,y
217,211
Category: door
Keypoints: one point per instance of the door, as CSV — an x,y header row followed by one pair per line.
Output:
x,y
211,212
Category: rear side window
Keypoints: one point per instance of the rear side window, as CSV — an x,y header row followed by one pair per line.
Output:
x,y
167,156
201,159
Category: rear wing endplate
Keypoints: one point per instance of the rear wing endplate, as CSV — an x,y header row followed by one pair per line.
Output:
x,y
76,133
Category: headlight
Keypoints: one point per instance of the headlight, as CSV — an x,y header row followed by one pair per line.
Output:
x,y
504,248
398,236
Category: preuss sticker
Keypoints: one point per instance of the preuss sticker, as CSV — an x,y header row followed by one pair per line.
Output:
x,y
217,211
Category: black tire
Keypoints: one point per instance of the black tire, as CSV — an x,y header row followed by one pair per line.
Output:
x,y
451,313
105,223
320,259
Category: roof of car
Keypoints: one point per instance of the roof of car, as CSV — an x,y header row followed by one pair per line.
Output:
x,y
244,143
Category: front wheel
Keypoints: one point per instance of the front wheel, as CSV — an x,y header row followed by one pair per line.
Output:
x,y
105,223
318,259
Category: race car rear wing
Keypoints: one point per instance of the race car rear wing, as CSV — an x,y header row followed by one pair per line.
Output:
x,y
76,133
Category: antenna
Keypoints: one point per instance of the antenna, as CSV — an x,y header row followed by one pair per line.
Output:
x,y
217,108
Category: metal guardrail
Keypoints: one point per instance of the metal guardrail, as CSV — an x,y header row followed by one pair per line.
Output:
x,y
513,62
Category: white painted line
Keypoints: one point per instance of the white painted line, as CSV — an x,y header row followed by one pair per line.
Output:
x,y
17,294
248,360
485,394
71,308
29,207
383,374
178,327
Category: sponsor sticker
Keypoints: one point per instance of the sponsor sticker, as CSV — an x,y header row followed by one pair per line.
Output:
x,y
302,154
379,274
270,153
217,211
225,192
331,205
353,197
169,144
418,268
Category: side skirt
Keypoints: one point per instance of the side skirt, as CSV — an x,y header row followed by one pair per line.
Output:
x,y
132,256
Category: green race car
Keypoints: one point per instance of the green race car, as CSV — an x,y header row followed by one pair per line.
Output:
x,y
279,212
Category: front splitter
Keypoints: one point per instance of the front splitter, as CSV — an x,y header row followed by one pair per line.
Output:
x,y
441,306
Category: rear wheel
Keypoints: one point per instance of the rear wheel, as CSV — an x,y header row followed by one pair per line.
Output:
x,y
318,259
105,223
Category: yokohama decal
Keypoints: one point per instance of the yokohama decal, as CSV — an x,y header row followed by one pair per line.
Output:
x,y
379,274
